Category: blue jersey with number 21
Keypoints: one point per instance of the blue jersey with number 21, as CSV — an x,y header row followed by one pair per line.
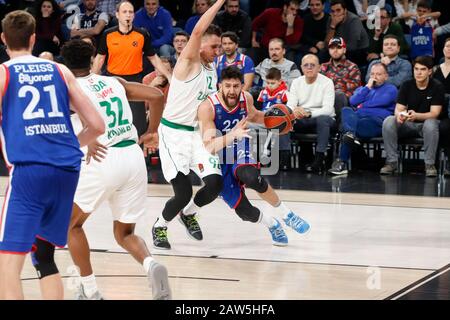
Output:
x,y
36,125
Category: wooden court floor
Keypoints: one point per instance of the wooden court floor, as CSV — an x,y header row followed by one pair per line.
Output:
x,y
360,246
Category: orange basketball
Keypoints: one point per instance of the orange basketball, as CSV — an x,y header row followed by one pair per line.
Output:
x,y
279,117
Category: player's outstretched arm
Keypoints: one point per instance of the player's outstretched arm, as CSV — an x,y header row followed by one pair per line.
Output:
x,y
93,124
212,142
190,53
254,115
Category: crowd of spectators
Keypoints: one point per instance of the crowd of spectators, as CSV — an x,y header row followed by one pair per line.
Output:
x,y
362,68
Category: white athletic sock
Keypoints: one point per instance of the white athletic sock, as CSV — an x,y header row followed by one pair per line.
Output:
x,y
89,285
267,220
161,222
191,208
147,263
282,209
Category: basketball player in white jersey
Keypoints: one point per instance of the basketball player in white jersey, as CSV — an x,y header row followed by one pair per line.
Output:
x,y
120,177
180,143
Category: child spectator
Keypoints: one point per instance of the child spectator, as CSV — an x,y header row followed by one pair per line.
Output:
x,y
275,92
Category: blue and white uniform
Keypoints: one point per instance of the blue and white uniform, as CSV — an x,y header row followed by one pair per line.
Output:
x,y
42,153
234,155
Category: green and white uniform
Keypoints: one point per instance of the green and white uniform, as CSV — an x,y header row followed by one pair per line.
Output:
x,y
120,178
181,146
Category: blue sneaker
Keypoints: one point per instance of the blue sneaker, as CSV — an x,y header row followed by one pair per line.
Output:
x,y
296,223
279,238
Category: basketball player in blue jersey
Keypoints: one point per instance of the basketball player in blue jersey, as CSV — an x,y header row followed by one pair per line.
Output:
x,y
228,111
43,156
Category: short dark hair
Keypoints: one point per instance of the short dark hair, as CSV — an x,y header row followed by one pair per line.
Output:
x,y
273,74
182,33
213,29
77,54
18,26
288,2
388,11
231,72
424,4
426,61
391,36
341,2
279,40
230,34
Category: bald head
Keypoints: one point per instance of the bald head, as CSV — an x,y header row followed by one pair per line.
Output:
x,y
312,58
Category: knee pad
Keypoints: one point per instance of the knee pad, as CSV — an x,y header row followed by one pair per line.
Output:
x,y
182,187
213,183
44,259
247,212
250,176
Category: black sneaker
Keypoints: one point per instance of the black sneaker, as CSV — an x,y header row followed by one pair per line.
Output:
x,y
160,240
338,167
192,227
350,139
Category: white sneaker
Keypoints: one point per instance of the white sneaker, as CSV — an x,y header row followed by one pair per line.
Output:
x,y
81,295
159,281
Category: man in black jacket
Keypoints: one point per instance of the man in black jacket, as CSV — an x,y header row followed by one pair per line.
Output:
x,y
236,20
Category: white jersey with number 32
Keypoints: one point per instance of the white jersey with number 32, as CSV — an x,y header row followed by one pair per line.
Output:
x,y
110,98
185,96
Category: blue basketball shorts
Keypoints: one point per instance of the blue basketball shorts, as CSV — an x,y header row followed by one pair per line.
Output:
x,y
38,203
233,189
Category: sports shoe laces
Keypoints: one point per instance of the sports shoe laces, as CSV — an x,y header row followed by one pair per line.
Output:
x,y
295,221
191,221
278,232
161,233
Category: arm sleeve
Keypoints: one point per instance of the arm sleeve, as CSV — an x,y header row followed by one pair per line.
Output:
x,y
327,102
102,47
359,96
354,80
148,48
104,16
404,73
249,66
292,96
438,95
442,29
298,31
246,35
167,33
293,74
402,96
260,21
383,99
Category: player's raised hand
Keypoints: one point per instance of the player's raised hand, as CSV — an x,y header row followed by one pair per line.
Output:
x,y
150,141
97,151
241,130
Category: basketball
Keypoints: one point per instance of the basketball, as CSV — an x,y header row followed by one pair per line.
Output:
x,y
279,117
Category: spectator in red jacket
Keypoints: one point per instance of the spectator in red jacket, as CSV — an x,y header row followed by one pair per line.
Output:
x,y
277,23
